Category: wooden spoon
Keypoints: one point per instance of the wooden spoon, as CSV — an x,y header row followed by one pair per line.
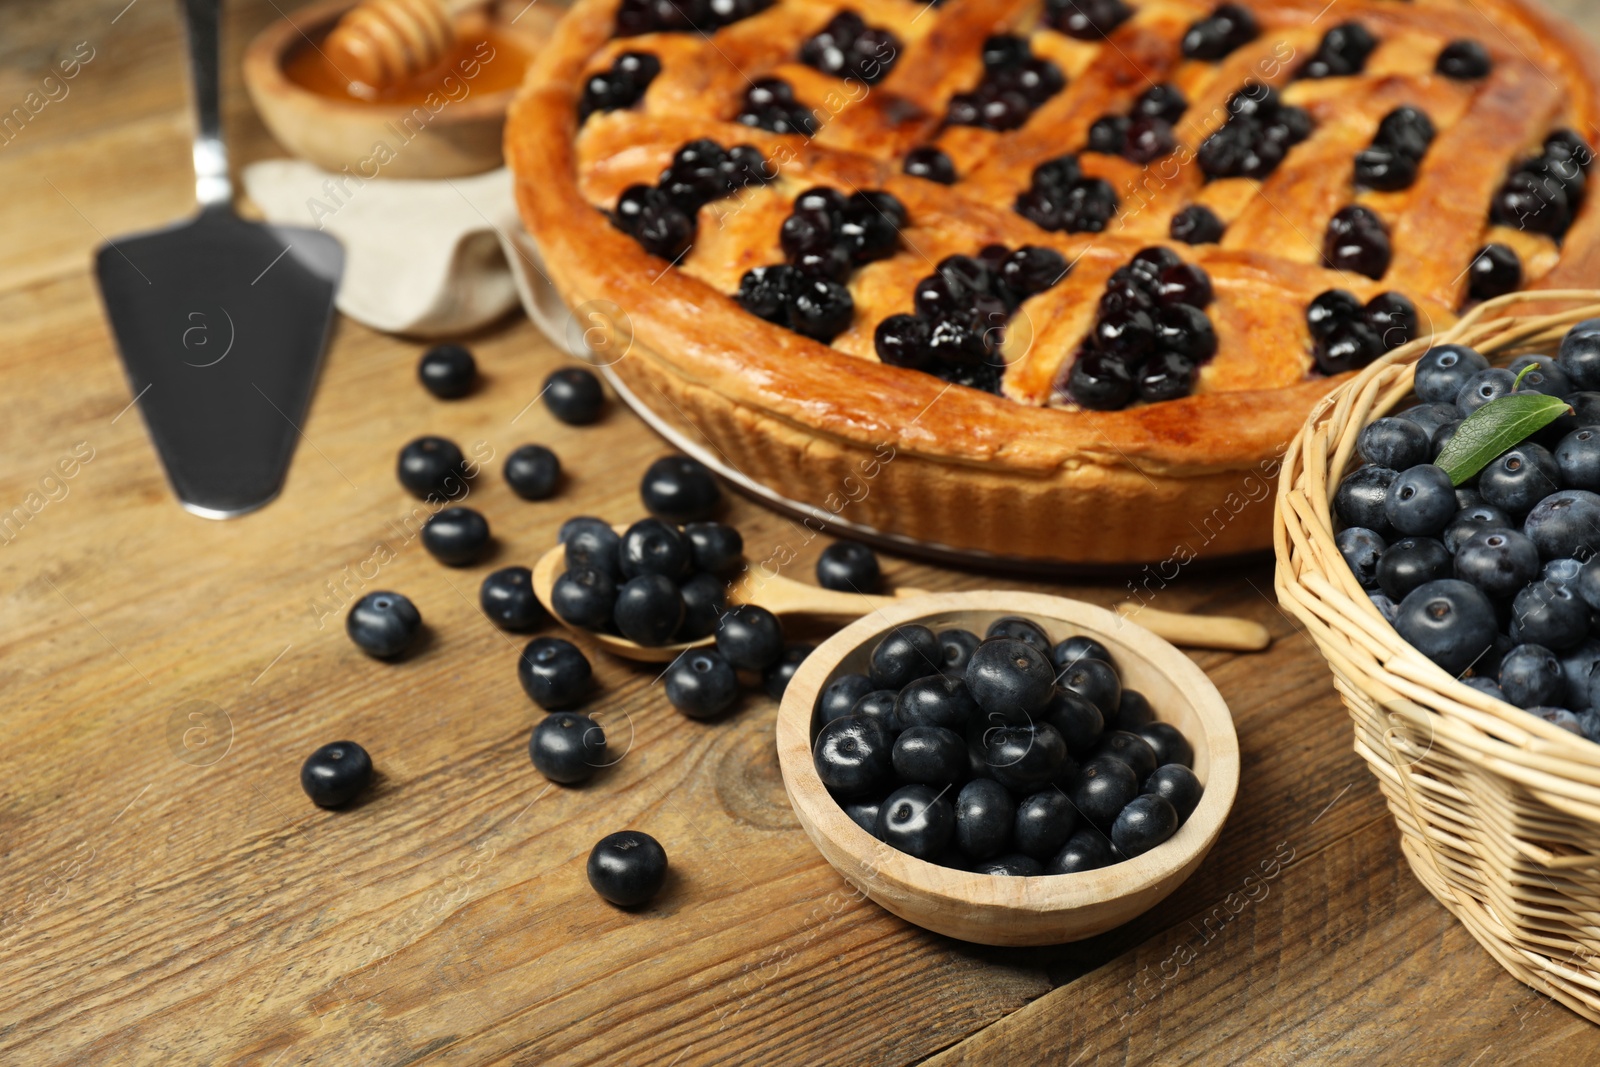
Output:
x,y
785,596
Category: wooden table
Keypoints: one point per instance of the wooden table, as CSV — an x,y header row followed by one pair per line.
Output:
x,y
164,905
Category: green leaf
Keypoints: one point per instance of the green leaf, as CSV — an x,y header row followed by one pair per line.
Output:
x,y
1495,427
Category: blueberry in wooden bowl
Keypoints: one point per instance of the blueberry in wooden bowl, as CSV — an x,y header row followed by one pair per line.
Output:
x,y
973,896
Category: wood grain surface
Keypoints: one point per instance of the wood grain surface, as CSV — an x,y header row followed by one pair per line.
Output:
x,y
170,897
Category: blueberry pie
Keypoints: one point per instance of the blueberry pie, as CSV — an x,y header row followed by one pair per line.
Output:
x,y
1044,279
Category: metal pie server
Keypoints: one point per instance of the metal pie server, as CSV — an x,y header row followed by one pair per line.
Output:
x,y
221,322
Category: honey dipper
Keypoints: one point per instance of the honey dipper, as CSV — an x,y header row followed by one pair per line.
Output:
x,y
381,42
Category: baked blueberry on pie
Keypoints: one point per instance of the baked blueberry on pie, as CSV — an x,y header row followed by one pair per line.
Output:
x,y
1047,279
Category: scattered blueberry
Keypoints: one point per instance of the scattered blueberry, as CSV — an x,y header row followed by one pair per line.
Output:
x,y
383,624
432,466
750,637
848,567
553,672
506,597
448,371
533,472
335,774
701,684
567,747
456,536
627,868
705,600
574,396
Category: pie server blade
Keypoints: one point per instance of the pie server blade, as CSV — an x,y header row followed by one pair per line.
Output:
x,y
220,322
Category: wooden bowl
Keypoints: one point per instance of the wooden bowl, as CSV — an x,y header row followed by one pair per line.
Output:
x,y
461,136
996,910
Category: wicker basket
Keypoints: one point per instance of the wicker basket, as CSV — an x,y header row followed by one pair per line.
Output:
x,y
1499,811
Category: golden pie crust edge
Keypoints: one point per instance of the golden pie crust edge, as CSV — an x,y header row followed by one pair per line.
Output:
x,y
901,452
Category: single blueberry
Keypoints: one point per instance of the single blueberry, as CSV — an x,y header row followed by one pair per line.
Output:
x,y
1449,621
750,637
1579,356
929,755
1393,442
1024,758
1130,748
881,706
1078,721
1081,646
533,472
839,696
1484,386
907,653
1498,561
1133,712
573,395
448,371
680,489
1096,682
701,684
985,814
336,774
864,813
456,537
506,597
1025,630
1010,677
1421,501
554,672
567,747
1411,562
383,624
584,598
627,868
1043,823
848,567
592,543
716,547
651,546
1578,458
1519,478
1530,676
705,600
853,755
1548,614
432,467
916,820
648,610
936,700
1102,789
1360,498
1565,523
1147,821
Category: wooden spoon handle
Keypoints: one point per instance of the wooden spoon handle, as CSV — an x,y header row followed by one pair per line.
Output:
x,y
785,596
1199,631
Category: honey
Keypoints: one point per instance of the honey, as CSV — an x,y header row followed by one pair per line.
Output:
x,y
486,61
